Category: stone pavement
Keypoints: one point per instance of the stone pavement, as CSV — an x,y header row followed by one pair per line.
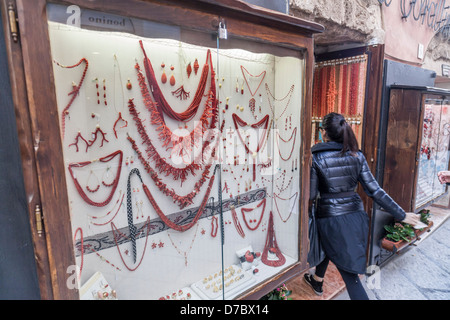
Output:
x,y
420,272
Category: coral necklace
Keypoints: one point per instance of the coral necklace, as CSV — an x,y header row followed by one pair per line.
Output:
x,y
245,71
295,195
74,93
114,184
288,95
162,104
238,122
236,222
263,122
161,164
169,222
166,135
246,210
293,135
182,201
272,246
124,237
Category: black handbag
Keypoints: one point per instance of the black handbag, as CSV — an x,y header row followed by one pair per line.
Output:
x,y
315,254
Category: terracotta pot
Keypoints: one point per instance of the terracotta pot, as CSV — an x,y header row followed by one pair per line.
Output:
x,y
422,231
394,246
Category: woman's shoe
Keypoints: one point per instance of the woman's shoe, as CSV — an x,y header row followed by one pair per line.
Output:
x,y
314,284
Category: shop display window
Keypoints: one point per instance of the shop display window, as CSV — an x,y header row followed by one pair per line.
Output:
x,y
434,151
182,156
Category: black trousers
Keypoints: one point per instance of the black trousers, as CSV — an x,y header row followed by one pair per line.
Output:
x,y
352,282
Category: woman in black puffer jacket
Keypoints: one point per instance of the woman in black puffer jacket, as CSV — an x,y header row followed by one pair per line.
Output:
x,y
342,223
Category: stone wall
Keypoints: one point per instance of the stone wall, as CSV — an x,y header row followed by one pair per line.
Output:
x,y
438,53
346,22
362,22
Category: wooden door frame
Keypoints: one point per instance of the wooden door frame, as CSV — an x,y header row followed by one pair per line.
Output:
x,y
29,168
38,119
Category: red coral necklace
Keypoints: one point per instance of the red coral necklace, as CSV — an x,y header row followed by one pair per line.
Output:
x,y
114,183
253,221
160,162
162,104
168,138
295,195
264,122
74,93
293,135
271,246
169,222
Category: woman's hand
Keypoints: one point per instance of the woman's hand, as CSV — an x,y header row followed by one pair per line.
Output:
x,y
444,176
413,219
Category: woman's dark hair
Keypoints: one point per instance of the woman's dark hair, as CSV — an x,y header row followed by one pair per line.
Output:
x,y
339,130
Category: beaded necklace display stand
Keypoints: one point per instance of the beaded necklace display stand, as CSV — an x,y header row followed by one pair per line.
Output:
x,y
272,246
114,184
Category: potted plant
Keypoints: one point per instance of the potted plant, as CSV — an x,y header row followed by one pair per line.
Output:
x,y
398,236
280,293
425,218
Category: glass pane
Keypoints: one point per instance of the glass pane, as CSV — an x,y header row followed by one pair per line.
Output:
x,y
156,213
433,152
135,98
261,101
442,151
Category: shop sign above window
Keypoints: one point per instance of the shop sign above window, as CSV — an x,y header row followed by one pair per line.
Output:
x,y
434,14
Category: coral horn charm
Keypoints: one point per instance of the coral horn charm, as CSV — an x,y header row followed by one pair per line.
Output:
x,y
189,70
196,66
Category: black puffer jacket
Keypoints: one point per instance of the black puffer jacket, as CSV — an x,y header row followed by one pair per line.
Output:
x,y
342,222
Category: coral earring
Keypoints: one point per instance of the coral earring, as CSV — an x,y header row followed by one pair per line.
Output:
x,y
163,77
172,80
